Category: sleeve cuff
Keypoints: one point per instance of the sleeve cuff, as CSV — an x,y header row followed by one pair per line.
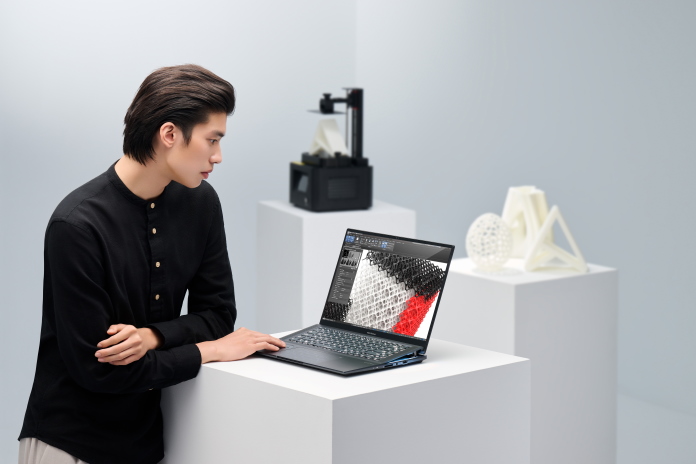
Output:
x,y
168,333
187,359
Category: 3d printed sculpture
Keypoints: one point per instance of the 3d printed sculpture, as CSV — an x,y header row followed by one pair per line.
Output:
x,y
524,212
328,140
544,253
525,231
489,242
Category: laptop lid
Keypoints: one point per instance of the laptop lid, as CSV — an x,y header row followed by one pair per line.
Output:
x,y
387,286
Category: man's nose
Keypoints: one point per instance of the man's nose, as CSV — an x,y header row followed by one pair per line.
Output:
x,y
217,157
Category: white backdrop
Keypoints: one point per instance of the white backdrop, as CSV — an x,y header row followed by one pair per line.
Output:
x,y
594,102
591,101
68,72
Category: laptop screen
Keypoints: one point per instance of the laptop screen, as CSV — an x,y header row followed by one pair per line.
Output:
x,y
387,284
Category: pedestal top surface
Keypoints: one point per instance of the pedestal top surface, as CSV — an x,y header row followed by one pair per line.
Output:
x,y
514,274
377,207
445,359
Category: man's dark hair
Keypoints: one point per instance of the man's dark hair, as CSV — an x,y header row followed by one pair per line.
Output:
x,y
184,95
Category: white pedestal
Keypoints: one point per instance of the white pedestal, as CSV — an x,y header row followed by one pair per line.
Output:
x,y
462,404
297,251
566,324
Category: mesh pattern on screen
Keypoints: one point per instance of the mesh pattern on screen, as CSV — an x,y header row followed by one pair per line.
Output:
x,y
377,298
390,292
336,311
418,274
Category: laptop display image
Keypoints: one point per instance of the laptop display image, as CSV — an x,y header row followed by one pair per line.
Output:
x,y
380,308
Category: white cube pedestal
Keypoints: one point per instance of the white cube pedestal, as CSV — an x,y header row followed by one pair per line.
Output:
x,y
297,251
462,404
566,324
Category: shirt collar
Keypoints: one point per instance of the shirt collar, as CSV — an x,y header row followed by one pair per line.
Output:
x,y
123,190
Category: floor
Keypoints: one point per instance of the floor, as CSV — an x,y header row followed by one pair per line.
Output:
x,y
649,434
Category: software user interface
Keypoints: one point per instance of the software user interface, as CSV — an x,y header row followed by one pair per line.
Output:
x,y
388,285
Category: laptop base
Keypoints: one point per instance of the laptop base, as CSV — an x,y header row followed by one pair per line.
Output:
x,y
332,364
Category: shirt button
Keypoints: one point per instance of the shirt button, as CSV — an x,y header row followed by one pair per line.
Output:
x,y
152,206
157,264
154,231
157,297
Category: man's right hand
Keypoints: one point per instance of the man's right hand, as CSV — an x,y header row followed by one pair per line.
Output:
x,y
126,344
238,345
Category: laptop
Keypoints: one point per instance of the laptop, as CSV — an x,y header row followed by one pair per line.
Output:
x,y
380,309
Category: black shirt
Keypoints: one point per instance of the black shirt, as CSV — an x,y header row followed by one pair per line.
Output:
x,y
111,257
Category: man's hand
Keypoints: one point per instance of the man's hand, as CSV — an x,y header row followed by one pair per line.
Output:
x,y
126,344
237,345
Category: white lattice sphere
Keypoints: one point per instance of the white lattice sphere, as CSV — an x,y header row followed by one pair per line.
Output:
x,y
489,242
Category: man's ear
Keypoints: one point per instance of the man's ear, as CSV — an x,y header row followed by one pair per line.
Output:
x,y
168,134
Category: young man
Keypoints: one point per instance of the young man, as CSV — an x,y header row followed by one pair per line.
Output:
x,y
120,253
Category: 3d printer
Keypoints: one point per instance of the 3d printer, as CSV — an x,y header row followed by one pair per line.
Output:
x,y
335,182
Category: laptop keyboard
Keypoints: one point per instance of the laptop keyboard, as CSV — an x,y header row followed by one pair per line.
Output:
x,y
349,343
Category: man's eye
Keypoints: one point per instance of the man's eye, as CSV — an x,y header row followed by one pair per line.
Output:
x,y
213,141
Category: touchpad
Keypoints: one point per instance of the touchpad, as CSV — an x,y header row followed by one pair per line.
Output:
x,y
325,359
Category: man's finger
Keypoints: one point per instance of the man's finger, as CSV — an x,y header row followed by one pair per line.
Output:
x,y
117,356
116,339
115,328
275,341
113,357
262,337
115,348
269,347
124,362
113,340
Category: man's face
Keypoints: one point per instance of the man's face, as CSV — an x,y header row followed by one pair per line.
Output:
x,y
190,164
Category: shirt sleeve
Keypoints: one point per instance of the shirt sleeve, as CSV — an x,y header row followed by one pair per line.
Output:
x,y
83,311
211,302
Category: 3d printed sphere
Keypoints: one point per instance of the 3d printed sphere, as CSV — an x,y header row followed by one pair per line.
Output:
x,y
489,242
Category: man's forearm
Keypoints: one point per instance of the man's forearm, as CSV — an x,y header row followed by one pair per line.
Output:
x,y
209,351
237,345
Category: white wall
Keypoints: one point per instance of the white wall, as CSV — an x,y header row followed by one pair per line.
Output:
x,y
591,101
68,72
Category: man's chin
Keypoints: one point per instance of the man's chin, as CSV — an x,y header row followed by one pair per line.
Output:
x,y
191,183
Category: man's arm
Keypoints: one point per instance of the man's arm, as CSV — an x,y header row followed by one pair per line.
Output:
x,y
237,345
82,313
128,345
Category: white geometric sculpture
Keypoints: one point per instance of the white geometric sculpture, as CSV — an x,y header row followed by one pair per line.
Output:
x,y
489,242
544,252
328,140
524,212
